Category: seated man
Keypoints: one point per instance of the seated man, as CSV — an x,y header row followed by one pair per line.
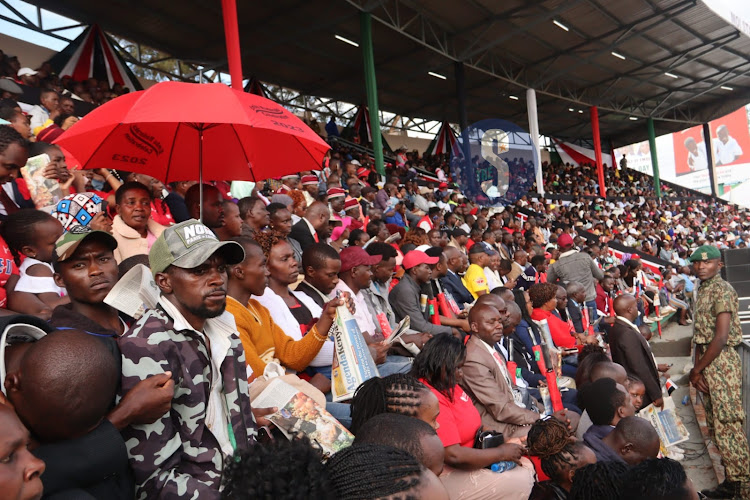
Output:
x,y
633,440
186,449
64,404
457,262
530,376
475,280
405,296
486,379
606,402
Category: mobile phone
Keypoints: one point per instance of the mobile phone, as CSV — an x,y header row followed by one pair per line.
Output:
x,y
105,208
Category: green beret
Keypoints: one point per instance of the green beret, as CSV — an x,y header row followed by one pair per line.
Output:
x,y
705,252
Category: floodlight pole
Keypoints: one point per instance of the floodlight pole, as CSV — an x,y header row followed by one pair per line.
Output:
x,y
534,133
654,157
368,60
710,158
598,150
232,37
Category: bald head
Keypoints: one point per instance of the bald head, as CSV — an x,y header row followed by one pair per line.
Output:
x,y
56,395
317,213
626,306
514,318
504,293
634,439
608,369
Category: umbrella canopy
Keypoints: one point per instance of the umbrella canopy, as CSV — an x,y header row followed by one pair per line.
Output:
x,y
92,55
444,142
178,131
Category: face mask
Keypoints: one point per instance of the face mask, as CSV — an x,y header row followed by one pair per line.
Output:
x,y
97,184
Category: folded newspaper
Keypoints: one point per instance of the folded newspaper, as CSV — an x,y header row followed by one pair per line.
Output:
x,y
299,413
352,362
134,293
402,328
668,425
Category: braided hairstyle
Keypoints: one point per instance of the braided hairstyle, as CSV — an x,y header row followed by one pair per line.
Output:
x,y
550,440
372,471
297,473
18,230
8,136
397,393
599,481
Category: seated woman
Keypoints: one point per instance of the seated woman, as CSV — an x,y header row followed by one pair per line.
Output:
x,y
543,298
465,476
673,288
290,314
528,331
133,227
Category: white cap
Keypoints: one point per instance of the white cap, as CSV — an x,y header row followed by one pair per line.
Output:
x,y
26,71
15,334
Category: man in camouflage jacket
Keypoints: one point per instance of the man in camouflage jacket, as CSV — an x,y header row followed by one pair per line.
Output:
x,y
718,371
189,334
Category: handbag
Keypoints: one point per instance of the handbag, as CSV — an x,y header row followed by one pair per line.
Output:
x,y
488,439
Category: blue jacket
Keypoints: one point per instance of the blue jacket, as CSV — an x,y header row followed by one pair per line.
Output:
x,y
453,284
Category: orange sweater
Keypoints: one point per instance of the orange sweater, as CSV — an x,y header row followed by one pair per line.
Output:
x,y
265,341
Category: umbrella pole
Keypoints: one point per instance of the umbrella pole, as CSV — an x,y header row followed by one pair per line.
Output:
x,y
200,170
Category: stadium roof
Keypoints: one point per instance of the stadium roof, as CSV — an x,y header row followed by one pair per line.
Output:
x,y
670,59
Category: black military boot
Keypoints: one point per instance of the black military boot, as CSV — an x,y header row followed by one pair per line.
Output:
x,y
729,490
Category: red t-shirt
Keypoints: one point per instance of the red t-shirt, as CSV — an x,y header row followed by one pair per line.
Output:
x,y
458,419
7,268
559,329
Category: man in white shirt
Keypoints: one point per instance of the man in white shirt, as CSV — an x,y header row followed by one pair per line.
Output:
x,y
48,109
726,146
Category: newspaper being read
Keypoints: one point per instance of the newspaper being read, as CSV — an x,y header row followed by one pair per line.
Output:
x,y
402,327
43,191
352,362
134,293
298,413
668,425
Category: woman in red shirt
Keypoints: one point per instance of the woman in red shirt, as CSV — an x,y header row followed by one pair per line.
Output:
x,y
544,300
438,366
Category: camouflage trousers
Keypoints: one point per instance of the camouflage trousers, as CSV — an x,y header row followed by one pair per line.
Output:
x,y
724,413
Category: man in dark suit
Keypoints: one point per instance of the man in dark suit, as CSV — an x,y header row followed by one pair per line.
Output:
x,y
313,227
576,303
631,350
457,262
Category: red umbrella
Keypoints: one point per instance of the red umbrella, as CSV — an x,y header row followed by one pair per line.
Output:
x,y
185,131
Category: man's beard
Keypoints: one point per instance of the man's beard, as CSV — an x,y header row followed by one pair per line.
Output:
x,y
204,312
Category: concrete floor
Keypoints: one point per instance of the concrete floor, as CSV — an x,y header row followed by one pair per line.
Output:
x,y
674,347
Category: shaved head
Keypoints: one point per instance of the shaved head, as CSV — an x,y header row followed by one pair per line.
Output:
x,y
608,369
64,385
626,306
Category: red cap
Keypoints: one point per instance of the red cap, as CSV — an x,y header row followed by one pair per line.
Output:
x,y
416,257
565,240
309,180
353,256
336,192
443,185
474,211
362,172
350,203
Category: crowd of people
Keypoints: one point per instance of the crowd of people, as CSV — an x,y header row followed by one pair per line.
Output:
x,y
510,308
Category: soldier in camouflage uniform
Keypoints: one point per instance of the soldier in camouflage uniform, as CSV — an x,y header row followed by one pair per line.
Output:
x,y
183,453
718,371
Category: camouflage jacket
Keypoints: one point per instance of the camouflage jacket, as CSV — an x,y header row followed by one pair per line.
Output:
x,y
715,296
178,456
